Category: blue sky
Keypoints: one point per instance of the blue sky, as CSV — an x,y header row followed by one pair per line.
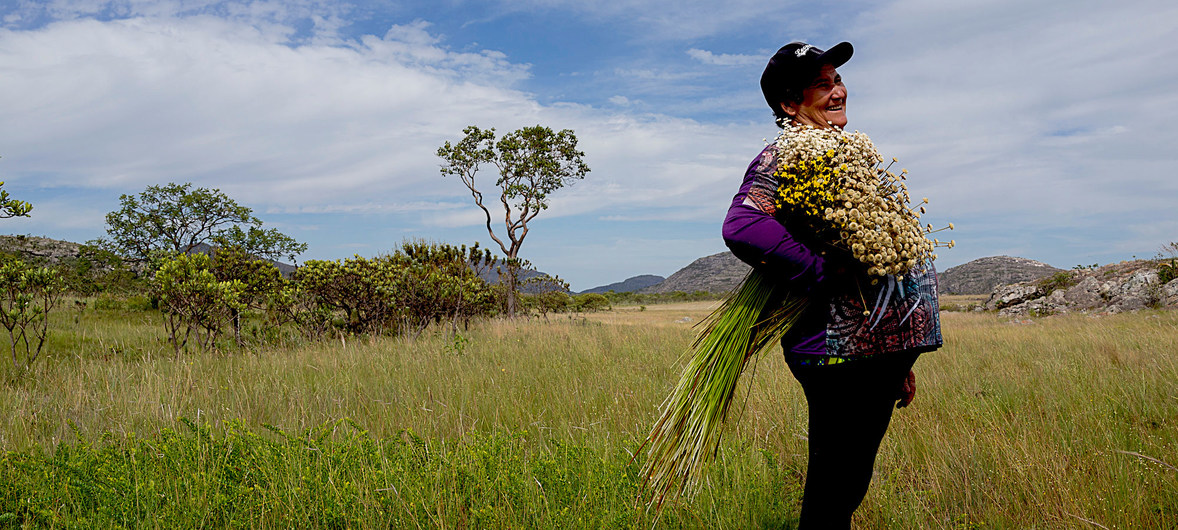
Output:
x,y
1043,130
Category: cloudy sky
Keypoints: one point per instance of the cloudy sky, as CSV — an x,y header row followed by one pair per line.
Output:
x,y
1041,129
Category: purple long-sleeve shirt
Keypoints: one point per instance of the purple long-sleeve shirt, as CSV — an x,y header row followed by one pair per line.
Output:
x,y
848,317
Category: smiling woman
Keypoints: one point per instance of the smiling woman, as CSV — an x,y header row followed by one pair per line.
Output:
x,y
853,366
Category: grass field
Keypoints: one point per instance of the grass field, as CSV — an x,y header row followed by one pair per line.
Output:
x,y
1059,422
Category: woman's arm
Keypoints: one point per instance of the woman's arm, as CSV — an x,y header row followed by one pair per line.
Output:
x,y
757,238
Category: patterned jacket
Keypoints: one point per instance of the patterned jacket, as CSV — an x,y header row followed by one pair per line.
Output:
x,y
849,317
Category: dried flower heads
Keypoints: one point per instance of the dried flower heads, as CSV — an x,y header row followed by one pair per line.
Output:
x,y
834,181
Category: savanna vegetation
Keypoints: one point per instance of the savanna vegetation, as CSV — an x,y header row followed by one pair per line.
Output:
x,y
1062,422
209,390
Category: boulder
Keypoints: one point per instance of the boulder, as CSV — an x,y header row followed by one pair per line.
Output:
x,y
1010,295
1170,293
1085,294
1114,288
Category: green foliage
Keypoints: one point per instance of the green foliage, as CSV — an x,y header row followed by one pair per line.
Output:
x,y
439,284
10,207
193,300
1167,271
1059,280
549,302
1168,263
176,218
359,289
335,475
29,293
99,270
404,291
591,302
258,281
254,241
532,163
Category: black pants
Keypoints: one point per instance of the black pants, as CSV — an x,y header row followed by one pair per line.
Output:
x,y
850,407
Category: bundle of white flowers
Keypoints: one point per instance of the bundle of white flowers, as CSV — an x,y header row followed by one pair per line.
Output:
x,y
833,181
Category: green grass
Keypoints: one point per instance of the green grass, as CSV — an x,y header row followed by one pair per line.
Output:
x,y
533,423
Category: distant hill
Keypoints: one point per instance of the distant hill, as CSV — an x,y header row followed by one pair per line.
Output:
x,y
54,251
718,273
492,276
982,275
40,249
630,285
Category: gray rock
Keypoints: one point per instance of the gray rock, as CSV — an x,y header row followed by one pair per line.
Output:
x,y
718,273
1085,294
1114,288
982,275
1005,296
1170,292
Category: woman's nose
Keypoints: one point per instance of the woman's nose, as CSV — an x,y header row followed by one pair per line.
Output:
x,y
840,92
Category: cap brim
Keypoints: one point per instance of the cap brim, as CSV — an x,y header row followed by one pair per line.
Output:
x,y
837,55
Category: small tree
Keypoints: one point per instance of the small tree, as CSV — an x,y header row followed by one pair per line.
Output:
x,y
193,300
176,218
29,293
259,281
532,162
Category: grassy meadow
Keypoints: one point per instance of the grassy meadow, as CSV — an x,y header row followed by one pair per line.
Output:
x,y
1060,422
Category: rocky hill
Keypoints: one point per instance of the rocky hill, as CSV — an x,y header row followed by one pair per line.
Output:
x,y
1115,288
982,275
721,272
630,285
43,250
718,273
40,249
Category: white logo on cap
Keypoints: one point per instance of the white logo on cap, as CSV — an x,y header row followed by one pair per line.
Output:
x,y
802,51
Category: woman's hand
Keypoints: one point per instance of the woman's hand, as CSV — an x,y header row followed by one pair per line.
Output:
x,y
907,390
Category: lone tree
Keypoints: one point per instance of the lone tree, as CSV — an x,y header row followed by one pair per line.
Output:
x,y
178,218
532,163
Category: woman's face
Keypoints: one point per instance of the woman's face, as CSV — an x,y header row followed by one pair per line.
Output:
x,y
824,102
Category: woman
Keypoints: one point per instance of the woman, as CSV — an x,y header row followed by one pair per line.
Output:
x,y
854,348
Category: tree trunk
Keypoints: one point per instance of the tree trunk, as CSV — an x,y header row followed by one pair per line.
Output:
x,y
512,283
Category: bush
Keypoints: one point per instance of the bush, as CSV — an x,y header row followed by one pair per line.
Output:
x,y
404,291
29,294
592,302
193,300
1059,280
1168,263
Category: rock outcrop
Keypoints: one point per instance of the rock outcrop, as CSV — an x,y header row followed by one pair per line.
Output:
x,y
718,273
630,285
1115,288
982,275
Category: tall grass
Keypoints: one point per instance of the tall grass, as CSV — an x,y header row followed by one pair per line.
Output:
x,y
1063,422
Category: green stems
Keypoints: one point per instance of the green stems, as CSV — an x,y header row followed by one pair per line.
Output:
x,y
687,434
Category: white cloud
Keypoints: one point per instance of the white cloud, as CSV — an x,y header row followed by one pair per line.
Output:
x,y
128,103
723,59
1022,122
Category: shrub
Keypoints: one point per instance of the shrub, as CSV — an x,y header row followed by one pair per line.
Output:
x,y
193,300
404,291
1059,280
29,294
592,302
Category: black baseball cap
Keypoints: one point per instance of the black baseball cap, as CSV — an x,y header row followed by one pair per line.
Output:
x,y
795,65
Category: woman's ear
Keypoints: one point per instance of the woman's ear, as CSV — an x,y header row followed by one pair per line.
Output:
x,y
790,110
